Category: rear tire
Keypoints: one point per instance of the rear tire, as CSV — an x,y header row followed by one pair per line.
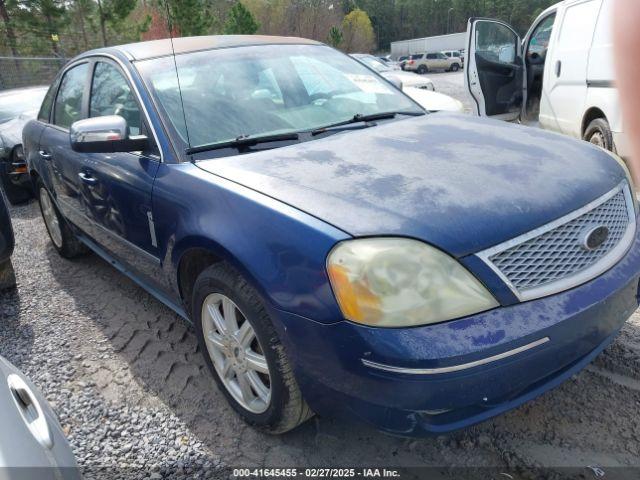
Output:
x,y
599,133
285,408
62,237
455,67
422,69
7,275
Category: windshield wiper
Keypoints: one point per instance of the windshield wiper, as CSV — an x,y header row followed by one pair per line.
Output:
x,y
366,119
243,141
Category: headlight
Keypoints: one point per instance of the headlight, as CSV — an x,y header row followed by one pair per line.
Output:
x,y
399,282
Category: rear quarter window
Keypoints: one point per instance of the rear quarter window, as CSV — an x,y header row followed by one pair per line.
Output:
x,y
45,109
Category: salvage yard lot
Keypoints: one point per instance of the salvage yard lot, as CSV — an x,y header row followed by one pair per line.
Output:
x,y
124,375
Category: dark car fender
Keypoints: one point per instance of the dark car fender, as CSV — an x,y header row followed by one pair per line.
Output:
x,y
7,240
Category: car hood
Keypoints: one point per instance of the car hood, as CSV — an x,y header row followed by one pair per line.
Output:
x,y
459,182
11,131
408,79
434,101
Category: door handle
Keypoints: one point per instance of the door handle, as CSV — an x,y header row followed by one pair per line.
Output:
x,y
87,178
30,410
558,68
45,155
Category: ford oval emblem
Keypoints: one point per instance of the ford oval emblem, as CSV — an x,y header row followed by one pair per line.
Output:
x,y
593,237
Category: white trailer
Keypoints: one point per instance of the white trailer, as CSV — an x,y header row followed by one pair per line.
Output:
x,y
453,41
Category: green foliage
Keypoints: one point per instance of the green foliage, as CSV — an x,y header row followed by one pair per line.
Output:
x,y
357,32
240,21
67,27
335,37
188,17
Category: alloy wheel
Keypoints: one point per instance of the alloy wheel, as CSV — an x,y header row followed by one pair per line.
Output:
x,y
50,218
597,139
236,353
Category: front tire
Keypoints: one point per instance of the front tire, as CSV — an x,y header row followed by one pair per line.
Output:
x,y
244,353
62,237
599,133
7,275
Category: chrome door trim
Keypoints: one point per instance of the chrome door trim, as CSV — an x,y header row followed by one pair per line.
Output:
x,y
454,368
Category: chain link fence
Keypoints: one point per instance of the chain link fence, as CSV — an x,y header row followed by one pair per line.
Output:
x,y
28,71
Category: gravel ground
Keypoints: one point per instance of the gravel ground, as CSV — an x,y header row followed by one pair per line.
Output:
x,y
136,400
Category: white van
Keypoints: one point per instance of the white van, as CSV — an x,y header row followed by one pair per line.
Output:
x,y
561,75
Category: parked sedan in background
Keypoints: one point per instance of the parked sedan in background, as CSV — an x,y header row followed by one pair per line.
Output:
x,y
419,88
338,249
390,63
17,107
7,276
32,443
408,79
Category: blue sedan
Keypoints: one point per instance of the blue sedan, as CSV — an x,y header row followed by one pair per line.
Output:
x,y
338,249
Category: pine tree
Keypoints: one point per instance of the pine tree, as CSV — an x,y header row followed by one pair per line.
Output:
x,y
240,21
189,17
335,37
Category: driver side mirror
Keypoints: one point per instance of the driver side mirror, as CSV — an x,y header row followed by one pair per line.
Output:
x,y
108,134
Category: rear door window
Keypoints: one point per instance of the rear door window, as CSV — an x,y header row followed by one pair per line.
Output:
x,y
68,105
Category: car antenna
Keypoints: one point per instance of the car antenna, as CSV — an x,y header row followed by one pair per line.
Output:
x,y
175,65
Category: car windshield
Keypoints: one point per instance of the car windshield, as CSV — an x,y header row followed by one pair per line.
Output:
x,y
14,104
264,90
377,65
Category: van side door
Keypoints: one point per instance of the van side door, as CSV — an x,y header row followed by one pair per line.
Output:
x,y
495,72
565,73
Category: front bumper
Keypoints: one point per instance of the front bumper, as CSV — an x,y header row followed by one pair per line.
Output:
x,y
579,324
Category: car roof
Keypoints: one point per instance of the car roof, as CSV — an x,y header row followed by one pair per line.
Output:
x,y
18,91
164,47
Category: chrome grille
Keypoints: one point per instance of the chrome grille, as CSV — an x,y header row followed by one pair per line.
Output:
x,y
556,253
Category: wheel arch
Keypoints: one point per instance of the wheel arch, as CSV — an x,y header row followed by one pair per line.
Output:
x,y
192,255
589,116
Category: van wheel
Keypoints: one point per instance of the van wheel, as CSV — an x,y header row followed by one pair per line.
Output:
x,y
599,133
422,69
64,240
455,67
242,349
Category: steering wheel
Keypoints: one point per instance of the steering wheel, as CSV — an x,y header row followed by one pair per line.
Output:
x,y
324,96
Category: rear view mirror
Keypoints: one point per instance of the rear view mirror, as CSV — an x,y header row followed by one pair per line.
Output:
x,y
108,134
